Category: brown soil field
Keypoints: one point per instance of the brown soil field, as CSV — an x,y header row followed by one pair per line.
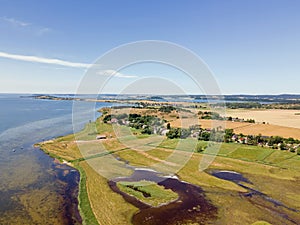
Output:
x,y
281,117
285,123
248,128
269,130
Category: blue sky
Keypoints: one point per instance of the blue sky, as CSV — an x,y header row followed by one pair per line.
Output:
x,y
252,47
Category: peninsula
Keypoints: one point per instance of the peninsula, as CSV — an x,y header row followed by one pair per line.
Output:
x,y
143,142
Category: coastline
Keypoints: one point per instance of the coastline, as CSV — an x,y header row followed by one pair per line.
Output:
x,y
71,177
85,200
86,213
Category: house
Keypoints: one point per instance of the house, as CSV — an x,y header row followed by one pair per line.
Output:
x,y
114,120
164,132
234,137
241,140
195,134
101,137
124,122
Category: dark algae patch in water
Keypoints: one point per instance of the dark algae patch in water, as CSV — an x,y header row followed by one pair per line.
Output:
x,y
40,191
190,207
71,178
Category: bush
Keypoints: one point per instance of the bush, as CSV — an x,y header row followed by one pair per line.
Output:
x,y
204,136
200,147
166,109
106,118
178,133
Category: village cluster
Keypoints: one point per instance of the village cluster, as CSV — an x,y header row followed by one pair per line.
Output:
x,y
148,124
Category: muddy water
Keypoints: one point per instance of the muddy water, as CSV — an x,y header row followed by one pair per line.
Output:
x,y
191,206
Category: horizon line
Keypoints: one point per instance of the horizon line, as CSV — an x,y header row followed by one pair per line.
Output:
x,y
140,94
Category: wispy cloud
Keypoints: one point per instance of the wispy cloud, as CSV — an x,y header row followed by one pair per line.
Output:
x,y
33,28
43,31
64,63
37,59
16,22
115,74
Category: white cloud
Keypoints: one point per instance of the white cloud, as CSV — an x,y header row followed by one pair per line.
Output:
x,y
36,59
15,22
35,29
115,74
43,31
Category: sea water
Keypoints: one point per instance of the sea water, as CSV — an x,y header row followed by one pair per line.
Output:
x,y
33,189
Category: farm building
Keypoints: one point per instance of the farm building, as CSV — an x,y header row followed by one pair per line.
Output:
x,y
100,137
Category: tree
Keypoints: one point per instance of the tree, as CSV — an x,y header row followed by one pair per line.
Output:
x,y
283,146
178,133
290,140
106,118
258,139
278,139
251,140
184,133
205,136
173,133
228,134
166,109
146,130
168,126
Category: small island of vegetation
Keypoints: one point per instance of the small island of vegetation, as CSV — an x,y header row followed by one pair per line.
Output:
x,y
148,192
